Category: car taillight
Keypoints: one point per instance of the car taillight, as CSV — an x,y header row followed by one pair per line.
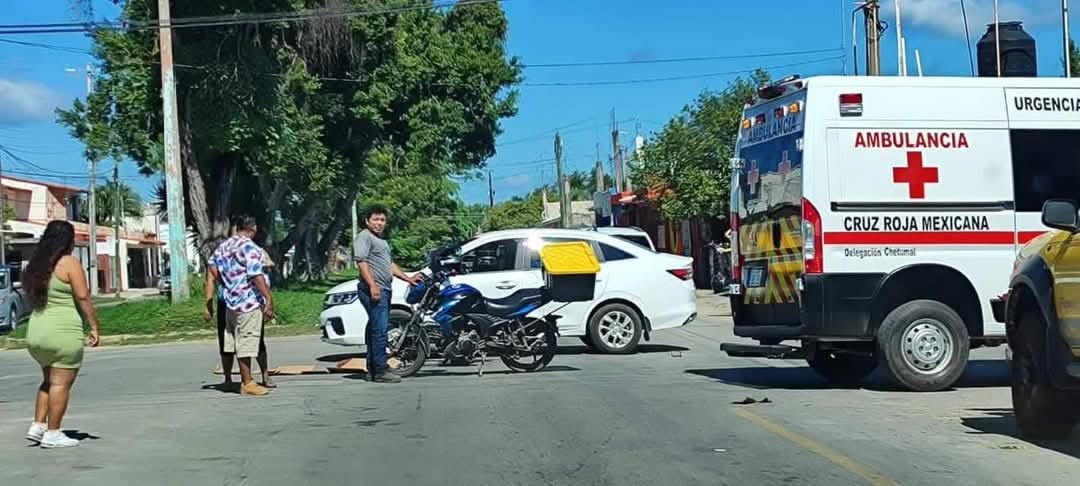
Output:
x,y
736,255
682,273
813,251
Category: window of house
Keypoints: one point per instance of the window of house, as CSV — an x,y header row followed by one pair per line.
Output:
x,y
1046,165
497,256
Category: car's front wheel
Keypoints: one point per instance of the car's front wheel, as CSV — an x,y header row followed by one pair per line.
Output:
x,y
615,329
1042,411
13,319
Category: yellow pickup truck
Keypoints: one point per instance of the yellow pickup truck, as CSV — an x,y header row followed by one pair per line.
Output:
x,y
1041,312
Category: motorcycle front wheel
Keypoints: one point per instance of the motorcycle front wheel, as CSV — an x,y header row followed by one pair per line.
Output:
x,y
521,358
410,352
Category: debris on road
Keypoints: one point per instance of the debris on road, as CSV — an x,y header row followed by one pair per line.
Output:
x,y
749,401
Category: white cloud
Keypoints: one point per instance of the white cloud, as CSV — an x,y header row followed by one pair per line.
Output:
x,y
944,16
26,101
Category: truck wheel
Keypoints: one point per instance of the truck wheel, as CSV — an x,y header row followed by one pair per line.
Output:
x,y
1042,411
840,368
615,329
924,344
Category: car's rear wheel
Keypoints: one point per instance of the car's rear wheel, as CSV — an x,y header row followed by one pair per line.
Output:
x,y
924,344
615,329
1041,410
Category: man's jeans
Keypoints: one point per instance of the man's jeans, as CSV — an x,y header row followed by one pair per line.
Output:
x,y
378,321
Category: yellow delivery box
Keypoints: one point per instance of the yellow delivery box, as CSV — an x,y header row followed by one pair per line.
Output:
x,y
569,271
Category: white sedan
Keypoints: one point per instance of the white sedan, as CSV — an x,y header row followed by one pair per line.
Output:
x,y
637,290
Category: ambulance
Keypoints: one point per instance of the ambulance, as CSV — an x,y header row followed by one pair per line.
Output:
x,y
877,217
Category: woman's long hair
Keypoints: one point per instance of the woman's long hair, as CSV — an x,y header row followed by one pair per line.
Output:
x,y
57,241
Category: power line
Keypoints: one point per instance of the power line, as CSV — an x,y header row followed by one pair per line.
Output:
x,y
680,59
231,19
675,78
51,47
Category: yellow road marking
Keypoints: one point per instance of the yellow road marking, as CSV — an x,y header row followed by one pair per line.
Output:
x,y
841,460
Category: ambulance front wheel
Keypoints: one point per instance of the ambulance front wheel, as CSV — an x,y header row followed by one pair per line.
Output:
x,y
924,344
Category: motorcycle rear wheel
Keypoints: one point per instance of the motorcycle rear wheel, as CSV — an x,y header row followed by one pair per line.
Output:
x,y
520,363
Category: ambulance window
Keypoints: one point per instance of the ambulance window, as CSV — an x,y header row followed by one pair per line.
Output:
x,y
1046,165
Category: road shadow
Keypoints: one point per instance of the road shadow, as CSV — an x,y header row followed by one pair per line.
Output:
x,y
230,388
641,349
334,358
979,374
1002,421
80,435
466,371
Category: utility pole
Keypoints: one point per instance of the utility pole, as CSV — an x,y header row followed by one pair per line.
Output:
x,y
118,218
901,54
617,152
873,37
599,176
564,185
1065,34
491,191
174,187
3,209
92,275
355,224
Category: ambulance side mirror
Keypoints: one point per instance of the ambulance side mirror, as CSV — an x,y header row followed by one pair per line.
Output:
x,y
1061,214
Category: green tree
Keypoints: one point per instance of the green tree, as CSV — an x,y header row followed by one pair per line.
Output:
x,y
106,197
1074,60
516,213
293,120
686,163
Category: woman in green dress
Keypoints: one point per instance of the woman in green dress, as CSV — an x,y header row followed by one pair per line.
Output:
x,y
56,290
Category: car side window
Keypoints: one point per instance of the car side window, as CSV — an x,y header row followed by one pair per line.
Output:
x,y
496,256
1046,165
610,253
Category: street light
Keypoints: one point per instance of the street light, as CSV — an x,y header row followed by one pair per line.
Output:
x,y
92,275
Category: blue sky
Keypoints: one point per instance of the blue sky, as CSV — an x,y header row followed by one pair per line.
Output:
x,y
34,81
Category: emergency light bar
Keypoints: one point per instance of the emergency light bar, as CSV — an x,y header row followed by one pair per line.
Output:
x,y
851,104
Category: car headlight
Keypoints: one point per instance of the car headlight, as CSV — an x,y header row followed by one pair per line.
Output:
x,y
339,299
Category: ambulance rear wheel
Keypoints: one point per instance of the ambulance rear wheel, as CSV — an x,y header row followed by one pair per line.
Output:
x,y
841,368
924,344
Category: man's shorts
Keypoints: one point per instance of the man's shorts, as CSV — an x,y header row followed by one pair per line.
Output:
x,y
243,331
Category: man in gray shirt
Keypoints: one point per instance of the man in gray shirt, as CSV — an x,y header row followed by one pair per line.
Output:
x,y
377,272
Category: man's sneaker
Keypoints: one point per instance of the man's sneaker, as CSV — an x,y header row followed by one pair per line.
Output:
x,y
54,439
387,377
254,389
37,430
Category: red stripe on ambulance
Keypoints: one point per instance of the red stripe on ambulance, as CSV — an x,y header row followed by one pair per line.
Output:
x,y
920,238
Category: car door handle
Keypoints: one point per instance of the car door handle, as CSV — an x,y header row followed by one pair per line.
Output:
x,y
506,285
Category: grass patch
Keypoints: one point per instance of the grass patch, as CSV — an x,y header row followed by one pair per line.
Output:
x,y
297,305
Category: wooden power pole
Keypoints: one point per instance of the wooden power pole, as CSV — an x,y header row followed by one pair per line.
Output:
x,y
564,185
617,152
491,191
118,217
873,37
3,221
174,186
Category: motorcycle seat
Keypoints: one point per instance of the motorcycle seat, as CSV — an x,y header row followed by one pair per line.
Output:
x,y
512,303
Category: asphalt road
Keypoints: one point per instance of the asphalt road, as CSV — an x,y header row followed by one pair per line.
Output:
x,y
147,415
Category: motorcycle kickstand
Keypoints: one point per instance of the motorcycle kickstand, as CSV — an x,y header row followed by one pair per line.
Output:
x,y
483,358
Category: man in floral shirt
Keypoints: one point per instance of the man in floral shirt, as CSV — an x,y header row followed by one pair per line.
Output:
x,y
239,263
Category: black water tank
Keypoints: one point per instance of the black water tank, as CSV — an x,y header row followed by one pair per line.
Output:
x,y
1017,52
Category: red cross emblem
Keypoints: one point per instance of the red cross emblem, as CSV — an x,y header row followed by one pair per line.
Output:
x,y
753,176
785,166
915,175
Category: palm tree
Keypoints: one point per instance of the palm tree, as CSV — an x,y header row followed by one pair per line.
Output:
x,y
106,199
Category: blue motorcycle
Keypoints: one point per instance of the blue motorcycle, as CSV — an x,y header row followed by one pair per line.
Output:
x,y
471,325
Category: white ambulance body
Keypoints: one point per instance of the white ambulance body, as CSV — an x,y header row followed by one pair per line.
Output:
x,y
878,216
